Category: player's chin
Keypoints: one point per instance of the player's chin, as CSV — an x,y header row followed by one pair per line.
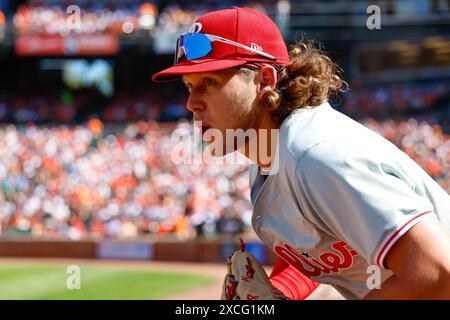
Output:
x,y
217,148
211,134
204,129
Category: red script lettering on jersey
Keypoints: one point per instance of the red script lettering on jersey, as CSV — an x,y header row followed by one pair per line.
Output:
x,y
327,262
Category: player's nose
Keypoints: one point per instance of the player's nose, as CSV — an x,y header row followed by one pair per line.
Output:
x,y
194,105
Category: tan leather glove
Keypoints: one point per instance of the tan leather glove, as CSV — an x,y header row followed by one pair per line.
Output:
x,y
246,279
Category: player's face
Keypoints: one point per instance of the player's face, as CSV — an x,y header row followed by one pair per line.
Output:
x,y
223,100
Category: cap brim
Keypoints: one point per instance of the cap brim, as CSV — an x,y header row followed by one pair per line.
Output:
x,y
176,72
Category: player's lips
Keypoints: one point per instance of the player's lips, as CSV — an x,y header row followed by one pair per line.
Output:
x,y
205,126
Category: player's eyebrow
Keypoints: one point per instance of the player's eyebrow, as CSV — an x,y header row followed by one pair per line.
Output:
x,y
200,80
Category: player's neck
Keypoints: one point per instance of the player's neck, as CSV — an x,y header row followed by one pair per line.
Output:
x,y
262,151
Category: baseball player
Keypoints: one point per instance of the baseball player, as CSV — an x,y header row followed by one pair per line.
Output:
x,y
337,203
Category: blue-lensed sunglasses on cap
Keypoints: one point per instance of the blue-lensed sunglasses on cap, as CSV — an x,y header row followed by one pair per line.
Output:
x,y
198,45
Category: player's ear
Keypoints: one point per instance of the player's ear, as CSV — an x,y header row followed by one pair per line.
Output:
x,y
267,79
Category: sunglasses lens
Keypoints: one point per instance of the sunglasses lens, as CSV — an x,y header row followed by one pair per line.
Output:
x,y
193,45
196,45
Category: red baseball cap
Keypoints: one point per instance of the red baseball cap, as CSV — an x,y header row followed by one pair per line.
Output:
x,y
243,25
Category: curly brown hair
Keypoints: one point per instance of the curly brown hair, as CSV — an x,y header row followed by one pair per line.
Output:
x,y
309,80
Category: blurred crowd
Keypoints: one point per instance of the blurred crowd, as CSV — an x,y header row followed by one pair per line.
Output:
x,y
82,182
180,15
74,106
97,181
82,16
118,17
158,105
395,99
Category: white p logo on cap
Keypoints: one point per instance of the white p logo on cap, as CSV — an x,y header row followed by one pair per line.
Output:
x,y
196,28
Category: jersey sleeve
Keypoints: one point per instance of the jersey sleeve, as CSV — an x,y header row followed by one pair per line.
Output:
x,y
357,195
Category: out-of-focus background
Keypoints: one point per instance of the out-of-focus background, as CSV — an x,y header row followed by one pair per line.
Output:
x,y
86,137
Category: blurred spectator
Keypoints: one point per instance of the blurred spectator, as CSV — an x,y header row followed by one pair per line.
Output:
x,y
230,223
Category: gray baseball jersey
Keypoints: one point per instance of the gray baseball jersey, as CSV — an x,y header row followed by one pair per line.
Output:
x,y
342,196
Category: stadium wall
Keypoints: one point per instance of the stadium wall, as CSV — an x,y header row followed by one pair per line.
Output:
x,y
180,251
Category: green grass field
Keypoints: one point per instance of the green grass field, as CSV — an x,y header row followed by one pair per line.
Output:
x,y
39,281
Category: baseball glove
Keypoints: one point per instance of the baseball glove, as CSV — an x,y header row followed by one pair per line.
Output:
x,y
247,280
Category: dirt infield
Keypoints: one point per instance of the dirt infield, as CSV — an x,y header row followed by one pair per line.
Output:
x,y
210,292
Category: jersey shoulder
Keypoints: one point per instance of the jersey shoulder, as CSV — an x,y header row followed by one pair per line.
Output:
x,y
306,129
